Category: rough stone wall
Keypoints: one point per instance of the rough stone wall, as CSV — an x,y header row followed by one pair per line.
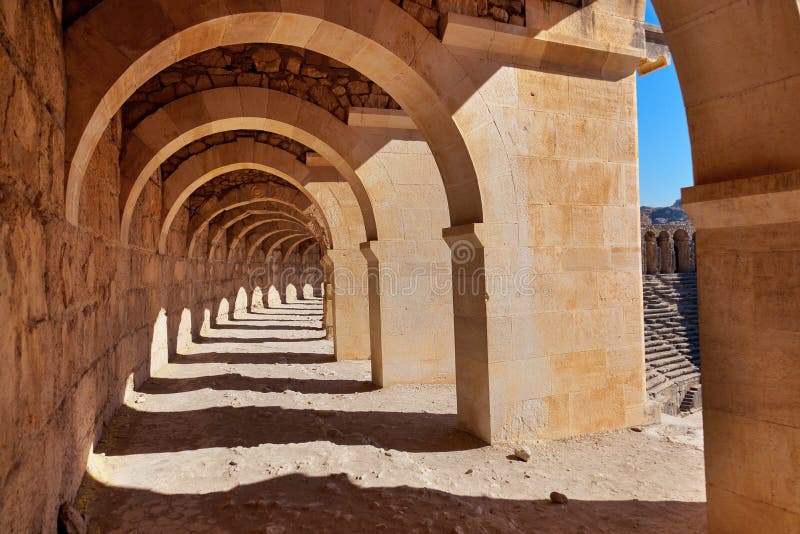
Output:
x,y
313,77
225,183
201,145
80,312
431,13
37,417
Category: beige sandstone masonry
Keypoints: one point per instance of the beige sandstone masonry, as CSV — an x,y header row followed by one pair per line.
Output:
x,y
524,164
743,122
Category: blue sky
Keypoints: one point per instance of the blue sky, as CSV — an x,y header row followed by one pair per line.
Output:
x,y
665,158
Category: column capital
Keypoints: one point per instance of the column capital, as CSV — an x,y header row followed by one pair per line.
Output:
x,y
388,250
769,199
484,235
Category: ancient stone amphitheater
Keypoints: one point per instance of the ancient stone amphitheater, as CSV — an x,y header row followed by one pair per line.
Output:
x,y
671,335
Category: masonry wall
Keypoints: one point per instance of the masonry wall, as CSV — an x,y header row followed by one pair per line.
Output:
x,y
79,312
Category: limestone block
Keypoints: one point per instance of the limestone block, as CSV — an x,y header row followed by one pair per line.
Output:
x,y
543,91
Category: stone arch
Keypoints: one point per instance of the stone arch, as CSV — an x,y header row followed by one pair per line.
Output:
x,y
296,245
291,293
241,233
250,108
683,257
237,223
273,297
257,298
108,57
738,64
292,268
306,248
287,246
243,196
271,239
267,194
219,160
732,134
313,273
665,254
650,253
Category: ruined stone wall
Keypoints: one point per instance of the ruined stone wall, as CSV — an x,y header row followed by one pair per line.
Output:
x,y
80,313
305,74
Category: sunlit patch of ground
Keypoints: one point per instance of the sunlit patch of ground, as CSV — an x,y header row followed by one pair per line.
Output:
x,y
257,429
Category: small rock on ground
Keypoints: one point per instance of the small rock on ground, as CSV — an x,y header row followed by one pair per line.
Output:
x,y
522,453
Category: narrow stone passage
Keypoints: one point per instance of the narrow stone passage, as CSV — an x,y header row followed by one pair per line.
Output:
x,y
258,429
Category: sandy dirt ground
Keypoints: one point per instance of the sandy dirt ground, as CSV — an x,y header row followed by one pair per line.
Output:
x,y
258,429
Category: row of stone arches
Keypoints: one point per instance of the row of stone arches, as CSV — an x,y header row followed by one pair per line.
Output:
x,y
668,252
435,99
499,151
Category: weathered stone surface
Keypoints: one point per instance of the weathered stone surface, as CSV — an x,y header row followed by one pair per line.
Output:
x,y
265,60
535,167
522,453
70,520
217,187
307,75
198,147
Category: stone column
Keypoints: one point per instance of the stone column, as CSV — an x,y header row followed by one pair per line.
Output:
x,y
328,317
290,274
665,250
348,303
328,303
544,354
748,279
312,273
650,253
408,311
502,378
682,252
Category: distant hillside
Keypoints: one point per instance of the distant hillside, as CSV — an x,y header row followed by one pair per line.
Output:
x,y
668,214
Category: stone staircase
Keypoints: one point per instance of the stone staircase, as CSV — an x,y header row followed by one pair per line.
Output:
x,y
691,400
672,348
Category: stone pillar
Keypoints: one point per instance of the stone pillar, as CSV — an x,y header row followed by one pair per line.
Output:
x,y
290,274
682,253
748,279
328,303
312,274
328,316
348,303
650,253
503,380
474,343
408,311
544,354
274,298
665,253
